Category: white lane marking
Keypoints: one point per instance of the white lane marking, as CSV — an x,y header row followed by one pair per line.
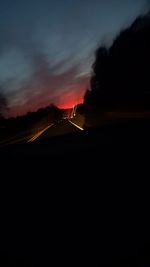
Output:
x,y
39,133
76,125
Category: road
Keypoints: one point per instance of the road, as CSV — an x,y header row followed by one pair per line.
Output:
x,y
80,128
66,126
38,134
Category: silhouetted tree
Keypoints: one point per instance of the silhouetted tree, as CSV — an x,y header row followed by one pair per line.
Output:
x,y
3,104
35,120
120,79
80,109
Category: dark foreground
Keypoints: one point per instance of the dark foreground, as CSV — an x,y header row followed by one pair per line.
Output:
x,y
77,199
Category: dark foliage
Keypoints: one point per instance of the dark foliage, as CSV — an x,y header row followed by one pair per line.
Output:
x,y
3,104
120,80
31,122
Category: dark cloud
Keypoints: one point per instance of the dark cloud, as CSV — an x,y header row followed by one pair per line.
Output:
x,y
148,3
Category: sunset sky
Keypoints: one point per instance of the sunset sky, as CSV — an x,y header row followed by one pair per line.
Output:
x,y
47,47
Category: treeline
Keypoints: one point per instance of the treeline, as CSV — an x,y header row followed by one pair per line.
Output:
x,y
45,115
121,74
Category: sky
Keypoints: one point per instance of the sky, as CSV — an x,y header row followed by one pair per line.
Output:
x,y
47,48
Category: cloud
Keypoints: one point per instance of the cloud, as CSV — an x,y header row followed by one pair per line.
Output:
x,y
46,49
48,85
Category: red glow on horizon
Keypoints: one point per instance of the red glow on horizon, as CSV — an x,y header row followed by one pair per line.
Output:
x,y
65,101
72,98
70,104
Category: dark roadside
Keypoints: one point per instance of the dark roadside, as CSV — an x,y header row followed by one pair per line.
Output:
x,y
82,197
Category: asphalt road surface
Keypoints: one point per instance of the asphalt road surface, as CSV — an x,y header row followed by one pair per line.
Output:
x,y
61,128
65,126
